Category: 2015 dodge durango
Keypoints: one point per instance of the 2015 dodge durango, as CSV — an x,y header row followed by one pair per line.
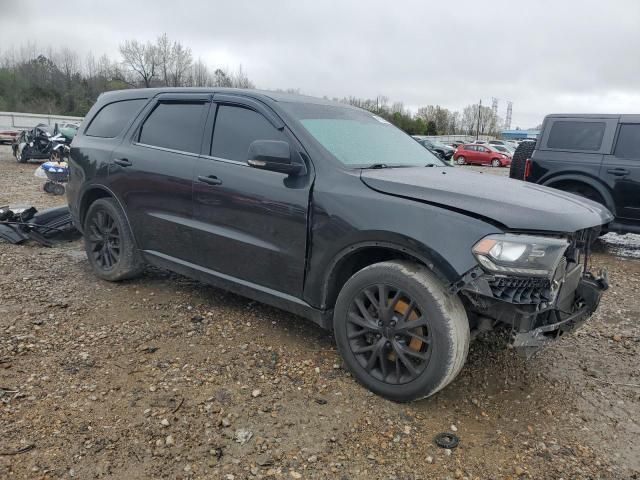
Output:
x,y
332,213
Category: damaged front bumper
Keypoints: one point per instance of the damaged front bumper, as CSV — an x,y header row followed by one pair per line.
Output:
x,y
537,313
588,294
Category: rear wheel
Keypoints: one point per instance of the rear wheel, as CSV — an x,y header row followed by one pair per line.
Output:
x,y
584,191
461,160
400,333
109,242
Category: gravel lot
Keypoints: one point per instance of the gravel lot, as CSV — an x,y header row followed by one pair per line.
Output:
x,y
165,377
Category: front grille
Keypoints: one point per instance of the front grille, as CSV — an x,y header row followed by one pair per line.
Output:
x,y
521,290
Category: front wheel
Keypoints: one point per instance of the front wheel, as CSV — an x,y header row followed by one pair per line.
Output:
x,y
21,157
109,242
400,333
461,160
495,162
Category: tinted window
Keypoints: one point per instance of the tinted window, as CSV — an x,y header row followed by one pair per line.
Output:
x,y
470,148
177,126
576,135
112,118
236,128
628,145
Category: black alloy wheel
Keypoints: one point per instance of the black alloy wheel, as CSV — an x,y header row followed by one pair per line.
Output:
x,y
104,240
388,334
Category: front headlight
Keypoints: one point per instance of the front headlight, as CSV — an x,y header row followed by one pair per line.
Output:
x,y
512,254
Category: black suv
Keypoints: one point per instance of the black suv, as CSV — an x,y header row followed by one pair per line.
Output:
x,y
594,156
332,213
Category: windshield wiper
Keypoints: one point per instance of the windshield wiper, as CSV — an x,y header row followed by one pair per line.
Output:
x,y
384,165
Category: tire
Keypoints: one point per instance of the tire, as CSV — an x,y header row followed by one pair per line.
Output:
x,y
495,163
20,155
584,191
520,156
119,259
461,160
385,344
57,189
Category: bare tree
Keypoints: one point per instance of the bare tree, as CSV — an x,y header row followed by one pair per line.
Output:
x,y
200,74
141,59
221,78
241,80
180,65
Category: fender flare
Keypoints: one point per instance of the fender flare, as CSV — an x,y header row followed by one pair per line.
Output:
x,y
432,260
594,183
82,210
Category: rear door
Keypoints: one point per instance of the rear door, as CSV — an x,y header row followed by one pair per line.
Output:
x,y
621,169
470,153
250,224
151,172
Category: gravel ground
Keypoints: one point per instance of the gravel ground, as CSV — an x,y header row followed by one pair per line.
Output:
x,y
165,377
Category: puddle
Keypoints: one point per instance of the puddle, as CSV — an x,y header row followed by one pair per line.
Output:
x,y
624,246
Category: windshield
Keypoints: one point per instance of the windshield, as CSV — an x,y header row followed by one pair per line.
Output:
x,y
360,139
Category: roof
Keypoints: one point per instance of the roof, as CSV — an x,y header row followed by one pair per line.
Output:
x,y
520,132
259,94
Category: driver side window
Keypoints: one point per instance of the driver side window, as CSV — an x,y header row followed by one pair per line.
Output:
x,y
236,128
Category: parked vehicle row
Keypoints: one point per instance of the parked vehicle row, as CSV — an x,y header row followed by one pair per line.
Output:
x,y
331,212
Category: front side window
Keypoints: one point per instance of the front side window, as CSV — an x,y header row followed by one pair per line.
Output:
x,y
112,118
236,128
359,139
628,145
174,125
573,135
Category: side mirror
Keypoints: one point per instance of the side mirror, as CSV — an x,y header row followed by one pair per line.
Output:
x,y
273,155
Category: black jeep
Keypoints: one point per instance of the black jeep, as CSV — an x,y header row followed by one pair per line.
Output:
x,y
594,156
332,213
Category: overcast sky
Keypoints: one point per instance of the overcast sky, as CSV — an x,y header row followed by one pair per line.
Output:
x,y
545,56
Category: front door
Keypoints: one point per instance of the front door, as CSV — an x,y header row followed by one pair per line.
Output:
x,y
621,171
151,173
250,224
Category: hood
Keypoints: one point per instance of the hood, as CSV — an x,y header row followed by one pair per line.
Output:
x,y
515,204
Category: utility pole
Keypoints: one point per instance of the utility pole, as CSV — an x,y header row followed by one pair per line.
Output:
x,y
479,113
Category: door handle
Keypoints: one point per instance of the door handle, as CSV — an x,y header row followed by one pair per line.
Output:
x,y
618,171
123,162
210,180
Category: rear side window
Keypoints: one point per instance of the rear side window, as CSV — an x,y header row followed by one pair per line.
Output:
x,y
571,135
112,118
177,126
628,145
236,128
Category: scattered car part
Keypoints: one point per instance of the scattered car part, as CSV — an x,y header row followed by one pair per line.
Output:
x,y
21,224
446,440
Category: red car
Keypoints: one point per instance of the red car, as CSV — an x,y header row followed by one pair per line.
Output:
x,y
8,135
480,155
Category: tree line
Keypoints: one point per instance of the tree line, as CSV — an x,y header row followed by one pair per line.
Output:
x,y
60,82
432,119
